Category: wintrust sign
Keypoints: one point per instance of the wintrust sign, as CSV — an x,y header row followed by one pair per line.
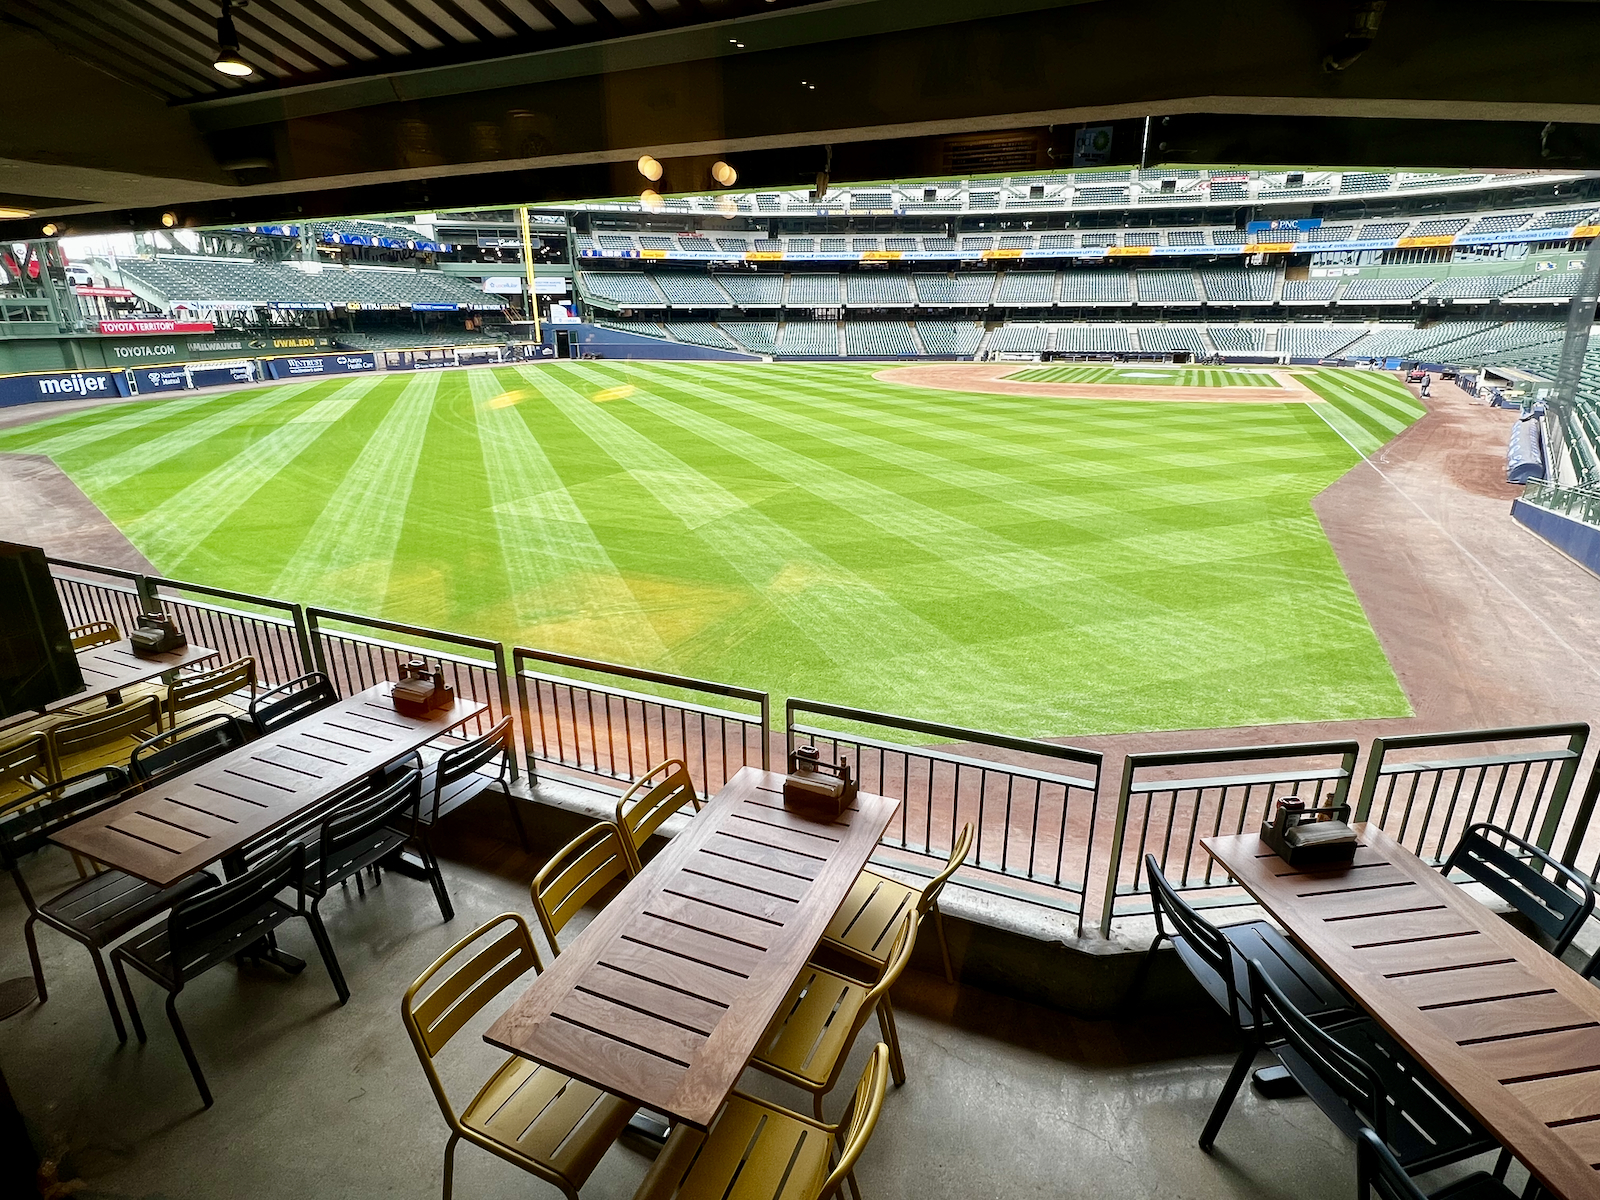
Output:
x,y
123,328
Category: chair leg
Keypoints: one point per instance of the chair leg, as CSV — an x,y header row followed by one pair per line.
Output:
x,y
105,987
33,957
944,946
450,1163
1230,1089
436,879
188,1050
897,1066
319,934
127,998
516,819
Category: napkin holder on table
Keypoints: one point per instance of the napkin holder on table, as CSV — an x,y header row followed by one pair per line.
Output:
x,y
1309,837
156,633
420,691
817,787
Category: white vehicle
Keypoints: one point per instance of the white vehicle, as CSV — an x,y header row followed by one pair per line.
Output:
x,y
79,275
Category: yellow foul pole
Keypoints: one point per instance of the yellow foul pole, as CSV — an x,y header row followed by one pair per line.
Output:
x,y
527,265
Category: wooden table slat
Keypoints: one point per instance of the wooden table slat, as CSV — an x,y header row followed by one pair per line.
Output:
x,y
664,997
1508,1029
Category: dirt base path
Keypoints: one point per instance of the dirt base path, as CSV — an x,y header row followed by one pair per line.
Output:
x,y
991,378
40,506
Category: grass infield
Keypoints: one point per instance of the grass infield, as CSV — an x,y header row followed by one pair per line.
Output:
x,y
1031,565
1155,374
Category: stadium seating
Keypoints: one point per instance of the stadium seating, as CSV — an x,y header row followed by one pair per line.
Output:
x,y
1439,227
1166,287
1159,339
1500,222
1356,183
752,291
1094,287
1382,230
965,289
397,338
1142,237
183,279
684,290
643,328
1316,341
960,338
1310,290
1229,237
630,289
1236,339
1034,289
808,339
701,333
1179,237
1474,287
1239,286
1331,233
1019,339
877,291
1549,286
1407,341
758,337
1563,218
813,291
652,241
880,339
1382,287
1107,339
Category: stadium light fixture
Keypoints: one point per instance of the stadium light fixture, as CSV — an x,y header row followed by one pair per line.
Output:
x,y
169,219
724,174
7,213
228,59
649,168
51,229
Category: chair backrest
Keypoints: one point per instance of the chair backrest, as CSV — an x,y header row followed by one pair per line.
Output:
x,y
574,874
899,955
27,824
456,987
355,820
660,792
191,691
290,701
1500,860
958,855
1343,1071
95,633
174,751
27,761
460,761
1209,944
860,1119
211,911
128,719
1378,1171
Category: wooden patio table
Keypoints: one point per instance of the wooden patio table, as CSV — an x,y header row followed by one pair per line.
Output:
x,y
664,997
185,824
110,668
1510,1030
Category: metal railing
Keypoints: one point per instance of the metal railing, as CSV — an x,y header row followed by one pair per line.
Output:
x,y
1516,779
600,730
1164,809
89,594
277,639
355,661
1581,503
1035,829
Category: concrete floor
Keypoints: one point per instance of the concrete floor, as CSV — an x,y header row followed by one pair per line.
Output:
x,y
1004,1098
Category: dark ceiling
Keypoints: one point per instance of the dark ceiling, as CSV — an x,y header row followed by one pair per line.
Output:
x,y
114,115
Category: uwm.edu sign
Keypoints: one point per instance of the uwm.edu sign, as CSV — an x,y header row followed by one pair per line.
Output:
x,y
127,327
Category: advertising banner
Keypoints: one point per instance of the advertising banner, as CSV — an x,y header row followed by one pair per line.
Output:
x,y
158,379
156,326
114,293
216,374
429,306
62,385
319,364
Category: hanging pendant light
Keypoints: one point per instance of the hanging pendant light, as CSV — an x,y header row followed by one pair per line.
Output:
x,y
228,59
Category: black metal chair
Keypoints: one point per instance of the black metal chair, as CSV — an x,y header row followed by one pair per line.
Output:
x,y
1361,1078
290,701
1377,1171
1500,860
1218,959
174,751
457,777
96,911
212,927
365,831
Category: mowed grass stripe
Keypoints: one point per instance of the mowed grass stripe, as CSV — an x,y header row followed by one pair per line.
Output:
x,y
170,533
1146,374
561,576
74,432
354,538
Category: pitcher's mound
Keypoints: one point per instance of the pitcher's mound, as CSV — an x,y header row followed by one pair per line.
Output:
x,y
992,378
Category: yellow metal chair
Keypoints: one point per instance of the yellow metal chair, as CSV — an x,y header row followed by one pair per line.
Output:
x,y
545,1122
104,738
209,689
25,766
819,1020
95,633
575,874
864,926
759,1151
661,791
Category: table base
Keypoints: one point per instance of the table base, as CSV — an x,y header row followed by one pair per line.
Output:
x,y
16,994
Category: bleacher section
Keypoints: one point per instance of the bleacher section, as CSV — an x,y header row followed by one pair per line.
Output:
x,y
878,291
691,291
1382,288
758,337
1166,287
175,279
1549,286
813,339
1475,287
1310,291
1107,339
630,289
950,337
880,339
1236,339
1160,339
410,339
1095,287
1239,286
701,333
1029,289
813,291
1316,341
752,291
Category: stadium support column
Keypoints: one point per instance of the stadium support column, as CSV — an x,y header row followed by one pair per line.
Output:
x,y
527,266
1562,404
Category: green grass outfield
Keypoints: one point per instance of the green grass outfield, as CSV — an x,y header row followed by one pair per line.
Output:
x,y
1031,565
1154,374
